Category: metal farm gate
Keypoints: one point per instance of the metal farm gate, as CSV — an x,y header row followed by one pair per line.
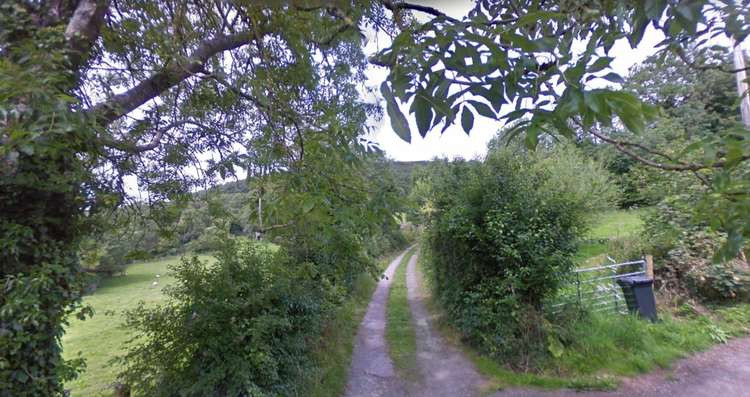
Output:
x,y
596,288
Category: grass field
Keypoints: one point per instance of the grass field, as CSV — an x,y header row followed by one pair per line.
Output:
x,y
101,337
605,227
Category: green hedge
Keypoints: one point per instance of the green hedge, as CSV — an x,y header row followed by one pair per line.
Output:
x,y
500,236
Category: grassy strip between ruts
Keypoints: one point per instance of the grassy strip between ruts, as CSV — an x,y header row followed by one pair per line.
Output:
x,y
603,347
399,332
333,354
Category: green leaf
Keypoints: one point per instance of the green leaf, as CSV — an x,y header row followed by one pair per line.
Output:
x,y
398,121
574,74
483,109
633,121
590,99
600,64
520,42
613,77
640,24
538,16
690,13
570,103
26,149
308,204
562,127
495,95
423,112
654,8
467,120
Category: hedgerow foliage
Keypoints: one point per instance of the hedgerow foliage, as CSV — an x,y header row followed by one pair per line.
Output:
x,y
240,326
500,238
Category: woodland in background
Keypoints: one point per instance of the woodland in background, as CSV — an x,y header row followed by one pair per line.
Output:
x,y
228,209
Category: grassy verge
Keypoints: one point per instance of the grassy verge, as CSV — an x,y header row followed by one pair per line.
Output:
x,y
596,350
399,332
626,345
102,337
333,355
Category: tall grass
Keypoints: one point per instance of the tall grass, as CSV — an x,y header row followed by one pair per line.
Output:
x,y
600,348
627,345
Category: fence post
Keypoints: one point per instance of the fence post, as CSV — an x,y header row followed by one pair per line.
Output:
x,y
578,288
650,266
614,289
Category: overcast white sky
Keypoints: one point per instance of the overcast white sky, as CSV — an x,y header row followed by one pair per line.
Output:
x,y
454,142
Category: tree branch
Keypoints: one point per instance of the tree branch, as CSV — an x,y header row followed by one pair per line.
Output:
x,y
122,104
133,148
416,7
83,29
694,65
621,146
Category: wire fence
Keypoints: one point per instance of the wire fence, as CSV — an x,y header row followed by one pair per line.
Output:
x,y
596,288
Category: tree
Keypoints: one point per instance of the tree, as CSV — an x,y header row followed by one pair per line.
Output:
x,y
96,91
517,62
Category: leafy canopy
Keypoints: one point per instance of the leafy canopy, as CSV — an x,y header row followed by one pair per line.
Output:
x,y
539,67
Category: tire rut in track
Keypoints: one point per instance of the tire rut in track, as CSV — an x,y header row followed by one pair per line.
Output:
x,y
444,370
371,372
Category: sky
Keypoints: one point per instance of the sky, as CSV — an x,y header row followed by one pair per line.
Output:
x,y
454,143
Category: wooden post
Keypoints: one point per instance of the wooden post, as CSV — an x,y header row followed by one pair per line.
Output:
x,y
650,266
743,90
742,86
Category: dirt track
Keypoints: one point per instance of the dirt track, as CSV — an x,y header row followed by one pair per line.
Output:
x,y
444,371
371,372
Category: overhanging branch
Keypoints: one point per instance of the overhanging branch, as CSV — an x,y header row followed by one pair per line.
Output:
x,y
395,7
122,104
133,148
622,147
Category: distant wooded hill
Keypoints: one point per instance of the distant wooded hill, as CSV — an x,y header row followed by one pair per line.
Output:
x,y
229,207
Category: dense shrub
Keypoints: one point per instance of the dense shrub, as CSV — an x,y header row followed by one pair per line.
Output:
x,y
240,326
501,235
685,251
